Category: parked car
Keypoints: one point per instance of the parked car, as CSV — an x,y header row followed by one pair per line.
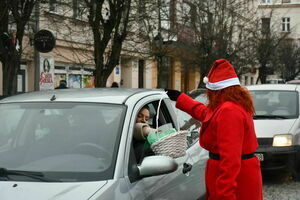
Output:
x,y
275,81
77,144
293,82
277,126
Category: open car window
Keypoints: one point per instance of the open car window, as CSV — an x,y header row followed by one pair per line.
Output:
x,y
164,118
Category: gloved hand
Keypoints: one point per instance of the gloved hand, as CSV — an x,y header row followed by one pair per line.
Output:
x,y
173,94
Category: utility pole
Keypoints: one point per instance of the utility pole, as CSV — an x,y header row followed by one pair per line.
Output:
x,y
36,52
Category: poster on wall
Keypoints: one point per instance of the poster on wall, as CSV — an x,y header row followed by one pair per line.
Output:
x,y
74,81
58,78
88,81
46,73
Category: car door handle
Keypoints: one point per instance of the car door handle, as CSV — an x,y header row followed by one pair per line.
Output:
x,y
186,168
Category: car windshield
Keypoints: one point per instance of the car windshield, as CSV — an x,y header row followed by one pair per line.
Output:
x,y
63,141
275,104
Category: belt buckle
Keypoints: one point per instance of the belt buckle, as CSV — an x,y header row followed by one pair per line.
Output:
x,y
260,156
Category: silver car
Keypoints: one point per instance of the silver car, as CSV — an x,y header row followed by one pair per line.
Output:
x,y
78,144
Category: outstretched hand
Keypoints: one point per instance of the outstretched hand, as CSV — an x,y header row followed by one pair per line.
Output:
x,y
173,94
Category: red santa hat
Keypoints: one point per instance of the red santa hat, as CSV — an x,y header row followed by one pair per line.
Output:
x,y
221,75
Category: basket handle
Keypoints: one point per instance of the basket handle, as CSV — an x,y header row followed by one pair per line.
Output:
x,y
157,113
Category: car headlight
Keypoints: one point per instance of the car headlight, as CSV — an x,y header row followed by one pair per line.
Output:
x,y
282,140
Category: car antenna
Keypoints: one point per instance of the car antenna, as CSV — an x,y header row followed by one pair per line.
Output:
x,y
53,98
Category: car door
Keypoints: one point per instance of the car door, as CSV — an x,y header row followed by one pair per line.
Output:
x,y
175,185
198,155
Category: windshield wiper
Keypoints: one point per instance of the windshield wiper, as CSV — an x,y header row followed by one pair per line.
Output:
x,y
270,117
34,175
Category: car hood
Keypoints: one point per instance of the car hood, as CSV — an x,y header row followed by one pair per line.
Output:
x,y
268,128
58,191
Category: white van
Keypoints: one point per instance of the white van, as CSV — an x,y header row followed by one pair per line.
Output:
x,y
277,126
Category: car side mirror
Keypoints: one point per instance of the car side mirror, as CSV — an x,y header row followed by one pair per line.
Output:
x,y
157,165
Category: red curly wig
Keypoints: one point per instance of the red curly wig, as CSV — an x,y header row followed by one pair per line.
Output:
x,y
236,94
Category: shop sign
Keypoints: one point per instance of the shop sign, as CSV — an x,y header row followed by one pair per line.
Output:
x,y
46,81
44,41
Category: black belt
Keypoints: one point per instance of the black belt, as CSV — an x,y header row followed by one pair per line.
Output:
x,y
216,156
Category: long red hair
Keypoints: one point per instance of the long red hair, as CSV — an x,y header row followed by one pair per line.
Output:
x,y
236,94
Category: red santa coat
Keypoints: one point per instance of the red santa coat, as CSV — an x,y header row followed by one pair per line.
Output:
x,y
228,131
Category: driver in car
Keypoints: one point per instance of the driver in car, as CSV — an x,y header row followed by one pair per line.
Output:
x,y
141,131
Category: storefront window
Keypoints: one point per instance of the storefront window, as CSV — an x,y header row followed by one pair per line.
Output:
x,y
76,76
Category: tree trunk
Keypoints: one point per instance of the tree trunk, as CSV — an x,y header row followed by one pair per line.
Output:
x,y
10,74
262,76
100,76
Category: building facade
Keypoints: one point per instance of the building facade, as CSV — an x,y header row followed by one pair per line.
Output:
x,y
72,58
283,17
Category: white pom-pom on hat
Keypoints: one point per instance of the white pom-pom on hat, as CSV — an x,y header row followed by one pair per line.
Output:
x,y
205,79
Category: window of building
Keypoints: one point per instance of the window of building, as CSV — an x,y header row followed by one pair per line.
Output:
x,y
285,24
266,1
166,70
246,80
53,5
286,1
265,25
186,15
78,9
75,75
141,65
165,14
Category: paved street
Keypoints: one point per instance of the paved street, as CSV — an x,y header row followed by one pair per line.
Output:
x,y
277,187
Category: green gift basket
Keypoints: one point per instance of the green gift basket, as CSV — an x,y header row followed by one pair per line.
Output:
x,y
169,142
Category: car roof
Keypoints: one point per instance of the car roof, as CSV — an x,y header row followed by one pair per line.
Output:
x,y
290,87
100,95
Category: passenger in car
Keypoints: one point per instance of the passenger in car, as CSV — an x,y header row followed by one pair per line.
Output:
x,y
142,128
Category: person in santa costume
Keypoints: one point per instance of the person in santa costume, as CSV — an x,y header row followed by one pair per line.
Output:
x,y
227,132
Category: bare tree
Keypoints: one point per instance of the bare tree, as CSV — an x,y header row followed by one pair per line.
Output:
x,y
108,20
223,30
11,40
266,46
287,59
165,33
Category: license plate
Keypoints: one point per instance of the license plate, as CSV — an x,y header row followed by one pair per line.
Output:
x,y
260,156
